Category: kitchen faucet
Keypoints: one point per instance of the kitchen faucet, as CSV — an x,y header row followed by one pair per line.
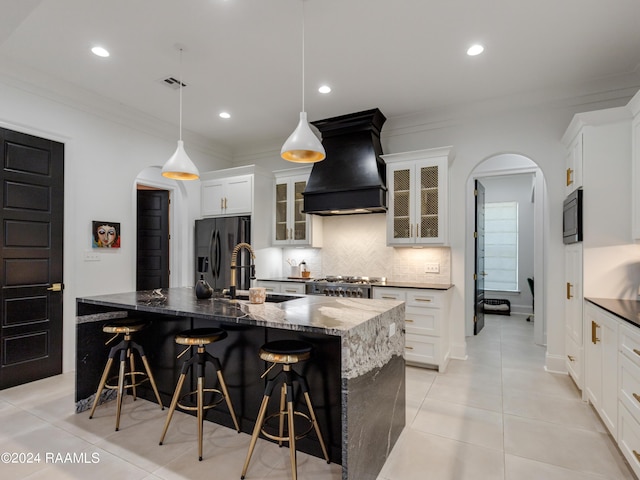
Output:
x,y
234,258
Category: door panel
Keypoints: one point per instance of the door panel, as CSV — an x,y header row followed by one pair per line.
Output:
x,y
31,247
152,255
478,323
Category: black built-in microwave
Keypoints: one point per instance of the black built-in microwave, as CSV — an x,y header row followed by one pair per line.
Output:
x,y
572,218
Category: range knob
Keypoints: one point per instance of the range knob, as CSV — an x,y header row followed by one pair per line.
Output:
x,y
340,292
325,291
359,293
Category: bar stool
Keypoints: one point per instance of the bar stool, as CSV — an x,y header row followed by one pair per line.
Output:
x,y
285,353
200,337
124,350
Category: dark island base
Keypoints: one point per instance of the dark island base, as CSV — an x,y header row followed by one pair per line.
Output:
x,y
241,365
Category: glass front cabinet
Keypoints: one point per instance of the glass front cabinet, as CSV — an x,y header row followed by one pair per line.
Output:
x,y
417,185
290,225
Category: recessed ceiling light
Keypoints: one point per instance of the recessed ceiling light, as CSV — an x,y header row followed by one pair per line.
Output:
x,y
225,115
99,51
324,89
476,49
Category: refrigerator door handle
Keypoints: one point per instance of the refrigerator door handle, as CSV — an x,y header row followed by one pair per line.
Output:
x,y
213,254
218,254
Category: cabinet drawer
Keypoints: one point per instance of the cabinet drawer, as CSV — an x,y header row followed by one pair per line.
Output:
x,y
424,299
427,322
629,388
389,294
629,437
290,287
421,349
630,343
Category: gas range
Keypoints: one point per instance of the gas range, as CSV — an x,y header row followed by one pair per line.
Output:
x,y
343,286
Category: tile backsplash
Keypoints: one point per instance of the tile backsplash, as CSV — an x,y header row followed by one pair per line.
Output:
x,y
357,245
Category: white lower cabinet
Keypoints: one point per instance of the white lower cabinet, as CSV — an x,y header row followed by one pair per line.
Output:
x,y
426,324
629,395
292,288
601,364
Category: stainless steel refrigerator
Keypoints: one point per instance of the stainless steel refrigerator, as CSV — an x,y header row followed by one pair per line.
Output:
x,y
215,240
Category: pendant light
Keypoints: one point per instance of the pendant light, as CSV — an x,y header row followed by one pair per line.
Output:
x,y
303,146
180,166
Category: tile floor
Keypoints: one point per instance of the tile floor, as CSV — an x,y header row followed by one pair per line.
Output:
x,y
498,415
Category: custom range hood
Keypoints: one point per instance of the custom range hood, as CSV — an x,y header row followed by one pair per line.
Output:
x,y
352,178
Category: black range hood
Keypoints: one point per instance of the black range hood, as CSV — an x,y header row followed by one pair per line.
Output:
x,y
352,178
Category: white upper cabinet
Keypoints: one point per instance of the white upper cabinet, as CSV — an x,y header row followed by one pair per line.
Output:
x,y
290,225
634,106
418,189
573,173
227,196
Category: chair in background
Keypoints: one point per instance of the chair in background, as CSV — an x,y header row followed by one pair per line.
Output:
x,y
530,281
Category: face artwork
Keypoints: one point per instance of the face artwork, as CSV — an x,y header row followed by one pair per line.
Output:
x,y
106,235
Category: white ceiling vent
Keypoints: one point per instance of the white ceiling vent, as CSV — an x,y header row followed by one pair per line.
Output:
x,y
172,82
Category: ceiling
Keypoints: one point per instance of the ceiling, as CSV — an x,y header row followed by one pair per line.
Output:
x,y
245,57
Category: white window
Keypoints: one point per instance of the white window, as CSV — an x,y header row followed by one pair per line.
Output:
x,y
501,246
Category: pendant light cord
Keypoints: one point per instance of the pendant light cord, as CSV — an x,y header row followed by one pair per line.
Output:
x,y
303,55
180,133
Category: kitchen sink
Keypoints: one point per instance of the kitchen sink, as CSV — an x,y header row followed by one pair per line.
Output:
x,y
271,297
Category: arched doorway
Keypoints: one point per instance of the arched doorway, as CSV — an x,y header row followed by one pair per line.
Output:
x,y
503,167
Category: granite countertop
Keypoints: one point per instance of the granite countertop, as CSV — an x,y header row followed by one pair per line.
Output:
x,y
322,314
628,310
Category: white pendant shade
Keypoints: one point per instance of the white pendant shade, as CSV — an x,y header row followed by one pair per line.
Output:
x,y
303,146
180,166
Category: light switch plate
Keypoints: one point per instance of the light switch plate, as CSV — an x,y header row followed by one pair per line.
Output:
x,y
432,268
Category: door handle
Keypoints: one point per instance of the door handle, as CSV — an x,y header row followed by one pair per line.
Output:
x,y
56,287
594,334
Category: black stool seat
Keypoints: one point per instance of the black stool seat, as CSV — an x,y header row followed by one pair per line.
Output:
x,y
200,336
285,351
124,351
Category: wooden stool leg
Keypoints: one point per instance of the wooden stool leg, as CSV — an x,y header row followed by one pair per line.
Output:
x,y
283,393
256,433
120,388
172,408
200,414
312,414
152,380
292,433
132,366
103,381
225,392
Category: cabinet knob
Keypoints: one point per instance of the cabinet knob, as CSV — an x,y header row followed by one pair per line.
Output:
x,y
637,397
408,348
636,351
571,358
569,175
637,455
569,286
408,320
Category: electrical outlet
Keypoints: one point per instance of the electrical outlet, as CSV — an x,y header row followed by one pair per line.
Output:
x,y
432,268
90,256
392,330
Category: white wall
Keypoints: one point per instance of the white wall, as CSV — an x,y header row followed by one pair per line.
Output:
x,y
516,188
104,153
477,134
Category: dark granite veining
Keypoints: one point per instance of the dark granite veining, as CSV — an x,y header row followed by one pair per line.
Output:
x,y
628,310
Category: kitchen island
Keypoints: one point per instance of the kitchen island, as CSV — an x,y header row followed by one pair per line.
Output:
x,y
356,375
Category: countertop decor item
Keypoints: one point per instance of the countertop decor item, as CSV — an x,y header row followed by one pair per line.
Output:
x,y
203,289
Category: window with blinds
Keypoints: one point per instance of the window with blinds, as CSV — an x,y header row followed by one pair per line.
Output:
x,y
501,246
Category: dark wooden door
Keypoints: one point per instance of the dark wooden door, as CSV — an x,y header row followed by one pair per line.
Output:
x,y
478,314
32,193
152,266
